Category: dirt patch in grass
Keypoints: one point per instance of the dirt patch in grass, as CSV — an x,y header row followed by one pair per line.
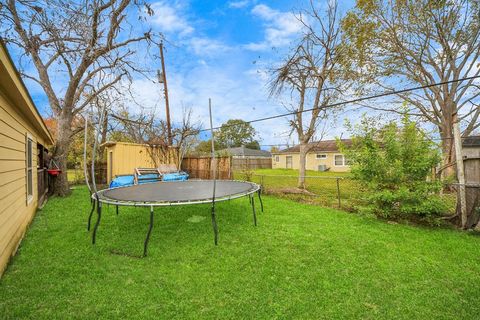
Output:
x,y
292,191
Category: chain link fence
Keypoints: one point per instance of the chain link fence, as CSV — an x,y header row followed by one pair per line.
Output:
x,y
336,192
472,201
76,176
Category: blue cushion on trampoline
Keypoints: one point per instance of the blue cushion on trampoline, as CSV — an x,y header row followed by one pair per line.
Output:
x,y
128,180
177,176
148,178
121,181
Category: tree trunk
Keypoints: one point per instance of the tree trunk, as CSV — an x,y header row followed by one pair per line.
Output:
x,y
301,170
62,145
448,151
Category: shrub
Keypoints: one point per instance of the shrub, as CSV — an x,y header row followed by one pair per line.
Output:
x,y
395,163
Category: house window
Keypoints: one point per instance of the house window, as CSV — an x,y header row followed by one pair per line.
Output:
x,y
277,159
29,168
321,156
341,160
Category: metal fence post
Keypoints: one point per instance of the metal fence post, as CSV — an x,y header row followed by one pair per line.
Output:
x,y
262,183
338,193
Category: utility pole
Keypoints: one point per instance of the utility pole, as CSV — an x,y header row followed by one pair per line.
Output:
x,y
457,139
162,78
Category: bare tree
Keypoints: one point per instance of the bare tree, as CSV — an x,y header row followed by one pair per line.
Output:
x,y
144,128
134,127
84,45
185,136
401,43
159,149
311,76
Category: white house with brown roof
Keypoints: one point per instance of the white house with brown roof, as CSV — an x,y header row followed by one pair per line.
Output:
x,y
322,156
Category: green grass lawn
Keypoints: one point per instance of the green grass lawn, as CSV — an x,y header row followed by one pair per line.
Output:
x,y
301,262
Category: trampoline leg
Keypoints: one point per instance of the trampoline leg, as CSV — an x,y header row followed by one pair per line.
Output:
x,y
145,245
214,225
260,198
99,216
91,214
253,210
117,210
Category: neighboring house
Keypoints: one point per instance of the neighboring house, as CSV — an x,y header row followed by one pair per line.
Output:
x,y
322,156
244,152
23,141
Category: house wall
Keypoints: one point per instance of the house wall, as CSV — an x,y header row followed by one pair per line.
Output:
x,y
312,162
15,212
18,119
123,158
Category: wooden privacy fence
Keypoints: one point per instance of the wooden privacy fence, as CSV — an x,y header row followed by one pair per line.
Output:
x,y
201,167
251,163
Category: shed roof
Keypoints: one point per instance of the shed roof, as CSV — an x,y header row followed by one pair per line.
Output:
x,y
247,152
109,144
319,146
471,142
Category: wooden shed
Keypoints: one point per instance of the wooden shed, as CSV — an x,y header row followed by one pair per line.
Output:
x,y
124,157
471,162
23,141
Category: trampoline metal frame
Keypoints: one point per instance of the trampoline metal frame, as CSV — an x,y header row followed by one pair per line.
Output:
x,y
97,202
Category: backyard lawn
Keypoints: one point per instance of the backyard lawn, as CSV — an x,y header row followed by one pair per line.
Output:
x,y
301,261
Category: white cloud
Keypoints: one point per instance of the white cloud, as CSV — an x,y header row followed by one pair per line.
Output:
x,y
235,94
280,28
265,12
170,18
208,47
238,4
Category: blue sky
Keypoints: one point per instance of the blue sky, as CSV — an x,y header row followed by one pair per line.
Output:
x,y
221,50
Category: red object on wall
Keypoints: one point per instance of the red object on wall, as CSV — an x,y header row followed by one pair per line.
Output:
x,y
54,172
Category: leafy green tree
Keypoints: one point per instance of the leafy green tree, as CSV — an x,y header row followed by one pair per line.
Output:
x,y
205,146
253,145
237,133
399,43
394,164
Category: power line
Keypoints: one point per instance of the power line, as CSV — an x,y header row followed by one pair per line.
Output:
x,y
384,94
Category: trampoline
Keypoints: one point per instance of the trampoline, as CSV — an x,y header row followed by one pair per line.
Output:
x,y
173,193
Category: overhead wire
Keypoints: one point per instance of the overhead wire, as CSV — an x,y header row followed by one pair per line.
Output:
x,y
336,104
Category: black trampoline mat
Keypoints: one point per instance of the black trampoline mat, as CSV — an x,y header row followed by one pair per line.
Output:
x,y
179,191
